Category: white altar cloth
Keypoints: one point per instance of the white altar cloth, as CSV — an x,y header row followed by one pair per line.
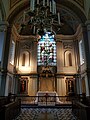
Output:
x,y
52,98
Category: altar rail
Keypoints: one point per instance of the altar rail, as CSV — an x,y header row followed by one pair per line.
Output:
x,y
45,100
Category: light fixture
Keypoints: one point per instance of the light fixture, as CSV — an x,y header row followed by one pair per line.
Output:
x,y
43,16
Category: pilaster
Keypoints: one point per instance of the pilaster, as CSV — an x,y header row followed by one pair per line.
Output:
x,y
86,36
5,31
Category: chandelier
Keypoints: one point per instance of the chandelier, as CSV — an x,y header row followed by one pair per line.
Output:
x,y
43,16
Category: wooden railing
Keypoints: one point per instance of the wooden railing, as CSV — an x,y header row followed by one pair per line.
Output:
x,y
45,100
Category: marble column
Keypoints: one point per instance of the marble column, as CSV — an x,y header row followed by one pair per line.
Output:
x,y
5,30
86,36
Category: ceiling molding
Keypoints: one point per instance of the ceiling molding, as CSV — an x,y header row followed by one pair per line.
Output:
x,y
58,37
72,5
13,3
2,10
80,2
67,16
22,5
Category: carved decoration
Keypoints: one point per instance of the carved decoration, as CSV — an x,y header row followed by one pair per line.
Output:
x,y
25,45
47,69
67,45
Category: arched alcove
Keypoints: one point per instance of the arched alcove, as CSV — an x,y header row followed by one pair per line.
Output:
x,y
68,58
24,59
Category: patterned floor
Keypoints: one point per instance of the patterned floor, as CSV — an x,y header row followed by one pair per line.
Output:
x,y
46,114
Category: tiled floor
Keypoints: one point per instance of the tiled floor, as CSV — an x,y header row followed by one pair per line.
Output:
x,y
46,114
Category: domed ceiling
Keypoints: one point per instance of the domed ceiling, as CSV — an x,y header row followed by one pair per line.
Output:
x,y
79,2
69,20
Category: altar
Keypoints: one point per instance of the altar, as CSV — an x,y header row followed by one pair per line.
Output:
x,y
47,98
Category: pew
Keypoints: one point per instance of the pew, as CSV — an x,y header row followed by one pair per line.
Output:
x,y
9,110
81,109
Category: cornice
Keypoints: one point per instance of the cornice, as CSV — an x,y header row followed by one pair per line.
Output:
x,y
70,37
21,37
57,37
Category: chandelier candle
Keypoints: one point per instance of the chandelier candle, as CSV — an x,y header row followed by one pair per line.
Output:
x,y
58,18
24,17
43,2
47,2
37,1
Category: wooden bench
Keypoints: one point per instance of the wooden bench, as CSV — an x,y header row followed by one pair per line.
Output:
x,y
80,110
9,111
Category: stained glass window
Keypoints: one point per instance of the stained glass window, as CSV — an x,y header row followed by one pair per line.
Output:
x,y
47,50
